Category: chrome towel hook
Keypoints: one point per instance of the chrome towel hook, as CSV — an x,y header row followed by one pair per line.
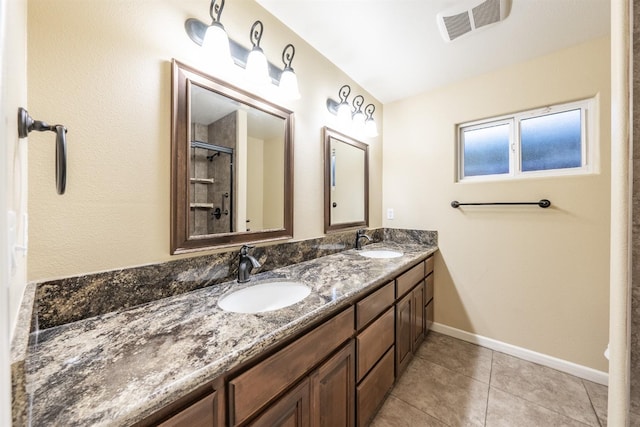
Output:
x,y
26,124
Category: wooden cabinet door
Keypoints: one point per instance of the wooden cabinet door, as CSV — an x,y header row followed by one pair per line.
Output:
x,y
404,339
417,316
333,390
291,410
428,314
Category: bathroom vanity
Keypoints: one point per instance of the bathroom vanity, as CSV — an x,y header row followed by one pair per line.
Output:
x,y
337,373
183,360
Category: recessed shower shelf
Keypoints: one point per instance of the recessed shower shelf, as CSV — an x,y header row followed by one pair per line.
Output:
x,y
202,180
201,205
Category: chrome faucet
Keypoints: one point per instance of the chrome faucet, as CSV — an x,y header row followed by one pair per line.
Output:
x,y
246,264
359,235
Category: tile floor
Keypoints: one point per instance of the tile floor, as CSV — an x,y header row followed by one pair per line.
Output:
x,y
454,383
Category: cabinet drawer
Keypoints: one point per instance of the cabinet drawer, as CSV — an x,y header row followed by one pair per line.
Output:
x,y
428,266
200,414
409,279
370,307
374,341
428,292
373,389
251,390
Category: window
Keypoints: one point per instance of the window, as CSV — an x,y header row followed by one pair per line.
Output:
x,y
551,141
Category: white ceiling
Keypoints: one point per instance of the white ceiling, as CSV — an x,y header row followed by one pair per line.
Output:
x,y
392,48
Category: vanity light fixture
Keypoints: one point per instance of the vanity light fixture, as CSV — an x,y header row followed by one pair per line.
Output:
x,y
358,116
342,108
253,61
362,122
216,41
257,67
370,128
288,79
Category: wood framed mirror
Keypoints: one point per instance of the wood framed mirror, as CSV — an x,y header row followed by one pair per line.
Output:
x,y
231,165
346,182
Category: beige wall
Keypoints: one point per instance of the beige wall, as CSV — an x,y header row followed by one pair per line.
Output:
x,y
102,68
529,277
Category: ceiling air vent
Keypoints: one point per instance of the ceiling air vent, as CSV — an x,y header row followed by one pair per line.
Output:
x,y
457,25
470,16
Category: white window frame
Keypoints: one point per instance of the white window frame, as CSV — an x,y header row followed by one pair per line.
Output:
x,y
589,132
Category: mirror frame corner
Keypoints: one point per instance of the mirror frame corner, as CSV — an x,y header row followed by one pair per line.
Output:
x,y
329,227
181,241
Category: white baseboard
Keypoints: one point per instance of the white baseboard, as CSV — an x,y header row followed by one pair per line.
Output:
x,y
525,354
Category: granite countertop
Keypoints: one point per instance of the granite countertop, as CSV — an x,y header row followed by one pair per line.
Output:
x,y
118,368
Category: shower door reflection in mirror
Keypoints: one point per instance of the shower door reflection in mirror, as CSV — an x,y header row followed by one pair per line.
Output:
x,y
232,156
211,185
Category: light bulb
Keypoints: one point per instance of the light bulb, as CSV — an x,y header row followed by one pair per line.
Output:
x,y
358,122
257,67
216,46
289,84
344,114
370,128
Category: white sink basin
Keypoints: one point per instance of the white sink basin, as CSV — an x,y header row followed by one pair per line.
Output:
x,y
264,297
380,253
